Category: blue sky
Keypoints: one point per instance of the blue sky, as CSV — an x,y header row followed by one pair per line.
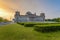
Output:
x,y
51,8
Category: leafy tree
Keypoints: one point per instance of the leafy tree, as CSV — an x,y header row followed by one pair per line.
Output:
x,y
3,20
54,19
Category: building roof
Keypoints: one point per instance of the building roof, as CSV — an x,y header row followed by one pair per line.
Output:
x,y
32,16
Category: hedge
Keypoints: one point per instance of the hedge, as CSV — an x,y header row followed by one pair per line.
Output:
x,y
20,23
29,24
32,24
47,28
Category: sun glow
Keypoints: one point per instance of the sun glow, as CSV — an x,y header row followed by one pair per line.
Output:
x,y
3,13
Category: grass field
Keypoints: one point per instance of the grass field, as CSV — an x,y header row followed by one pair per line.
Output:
x,y
19,32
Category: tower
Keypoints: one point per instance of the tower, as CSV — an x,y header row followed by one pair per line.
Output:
x,y
16,16
35,13
43,16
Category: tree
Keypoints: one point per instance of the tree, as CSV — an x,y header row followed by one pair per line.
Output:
x,y
54,19
3,20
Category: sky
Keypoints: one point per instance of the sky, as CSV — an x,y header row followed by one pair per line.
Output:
x,y
51,8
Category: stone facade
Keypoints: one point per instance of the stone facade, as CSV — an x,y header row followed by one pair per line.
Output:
x,y
29,17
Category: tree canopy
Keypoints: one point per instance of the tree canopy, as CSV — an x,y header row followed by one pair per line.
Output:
x,y
54,19
3,20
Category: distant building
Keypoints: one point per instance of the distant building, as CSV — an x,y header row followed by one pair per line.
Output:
x,y
29,17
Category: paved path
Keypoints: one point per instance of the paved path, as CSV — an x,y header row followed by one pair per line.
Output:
x,y
5,23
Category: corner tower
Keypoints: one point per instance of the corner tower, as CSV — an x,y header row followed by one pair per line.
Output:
x,y
16,16
43,16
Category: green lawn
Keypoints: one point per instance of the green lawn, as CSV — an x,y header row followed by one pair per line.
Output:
x,y
19,32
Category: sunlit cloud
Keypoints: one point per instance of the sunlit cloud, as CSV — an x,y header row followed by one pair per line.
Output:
x,y
47,6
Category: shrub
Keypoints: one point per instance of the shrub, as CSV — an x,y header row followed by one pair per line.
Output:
x,y
20,23
29,24
47,28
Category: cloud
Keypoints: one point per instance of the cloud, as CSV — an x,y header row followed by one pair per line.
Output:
x,y
25,5
37,6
